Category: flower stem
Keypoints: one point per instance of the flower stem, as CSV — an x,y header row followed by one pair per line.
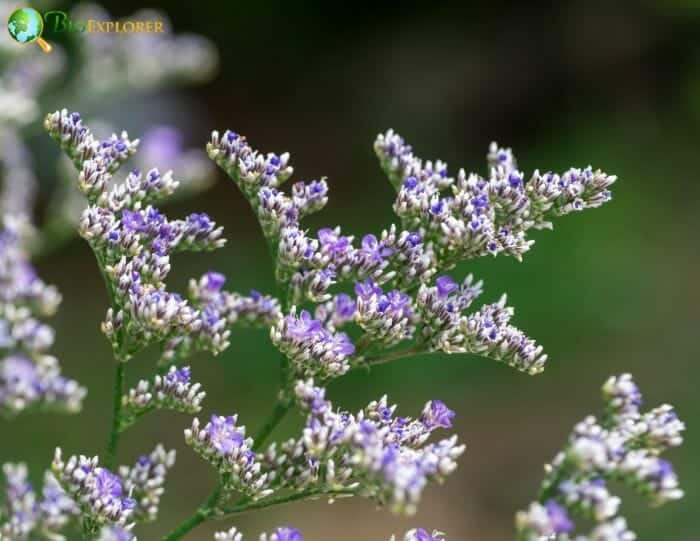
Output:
x,y
204,511
281,408
246,506
113,440
209,507
392,356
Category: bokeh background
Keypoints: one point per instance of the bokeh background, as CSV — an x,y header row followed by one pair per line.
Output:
x,y
612,84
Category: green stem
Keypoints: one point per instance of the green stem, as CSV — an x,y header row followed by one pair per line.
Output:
x,y
206,510
281,408
245,506
113,440
392,356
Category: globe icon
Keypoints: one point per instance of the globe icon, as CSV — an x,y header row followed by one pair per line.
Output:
x,y
26,25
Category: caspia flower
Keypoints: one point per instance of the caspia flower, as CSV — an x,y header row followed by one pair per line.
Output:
x,y
25,512
284,533
173,390
29,376
419,534
624,447
470,216
375,453
223,444
115,533
99,492
312,349
487,332
144,482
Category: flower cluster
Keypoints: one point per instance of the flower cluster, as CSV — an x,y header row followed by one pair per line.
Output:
x,y
487,332
99,492
312,264
224,445
220,310
25,512
470,216
444,220
29,376
284,533
107,66
388,288
375,453
625,447
312,349
115,533
173,390
419,534
144,481
132,239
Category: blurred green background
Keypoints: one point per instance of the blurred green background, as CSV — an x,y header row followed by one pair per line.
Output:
x,y
612,84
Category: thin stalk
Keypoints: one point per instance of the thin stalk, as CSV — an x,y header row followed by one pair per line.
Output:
x,y
281,408
206,510
245,506
209,507
392,356
113,439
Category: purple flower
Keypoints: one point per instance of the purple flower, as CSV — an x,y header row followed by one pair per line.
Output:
x,y
133,221
344,307
559,518
288,534
445,285
437,414
367,289
214,281
423,535
303,327
375,249
223,434
107,484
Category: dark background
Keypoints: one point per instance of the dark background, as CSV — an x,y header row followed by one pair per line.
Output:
x,y
612,84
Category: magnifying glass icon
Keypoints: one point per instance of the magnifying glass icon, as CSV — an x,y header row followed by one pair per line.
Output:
x,y
26,25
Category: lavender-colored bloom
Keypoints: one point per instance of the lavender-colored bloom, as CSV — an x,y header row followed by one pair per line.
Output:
x,y
284,533
250,169
28,376
419,534
590,498
174,390
311,348
224,445
487,332
24,512
546,520
144,482
115,533
336,312
25,383
98,491
387,318
311,197
615,530
436,413
622,395
623,449
483,216
384,457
